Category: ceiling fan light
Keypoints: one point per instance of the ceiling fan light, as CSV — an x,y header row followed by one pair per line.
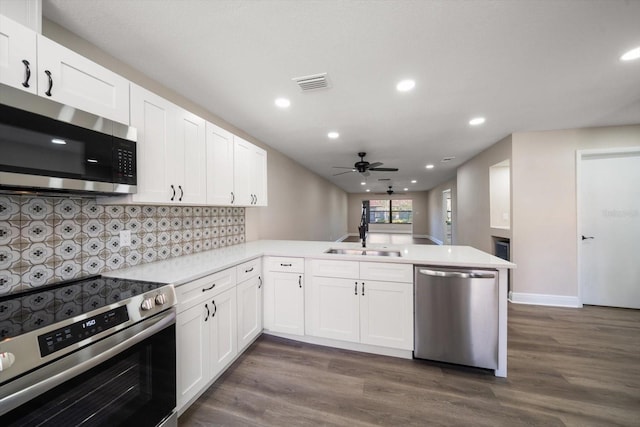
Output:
x,y
477,121
429,166
405,85
282,102
413,181
333,135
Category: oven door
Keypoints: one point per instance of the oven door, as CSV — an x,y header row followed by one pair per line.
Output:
x,y
128,378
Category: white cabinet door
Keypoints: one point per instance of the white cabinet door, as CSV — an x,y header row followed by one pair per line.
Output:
x,y
219,165
242,156
187,165
18,67
259,177
386,314
154,117
192,352
284,302
223,340
249,295
334,308
72,79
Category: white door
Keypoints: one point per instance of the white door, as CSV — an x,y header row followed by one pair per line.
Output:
x,y
386,314
333,306
18,65
446,214
190,159
224,344
610,229
242,155
219,165
259,177
249,310
192,336
284,303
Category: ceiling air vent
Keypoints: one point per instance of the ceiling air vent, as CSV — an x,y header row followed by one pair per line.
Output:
x,y
313,82
447,159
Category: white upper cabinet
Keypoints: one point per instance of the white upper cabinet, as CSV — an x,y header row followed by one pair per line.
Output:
x,y
250,174
187,164
17,56
154,117
219,150
71,79
171,151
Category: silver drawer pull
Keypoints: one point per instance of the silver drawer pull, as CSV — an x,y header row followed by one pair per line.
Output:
x,y
285,265
209,288
249,270
457,274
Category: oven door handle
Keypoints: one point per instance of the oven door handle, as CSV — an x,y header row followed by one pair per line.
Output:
x,y
24,394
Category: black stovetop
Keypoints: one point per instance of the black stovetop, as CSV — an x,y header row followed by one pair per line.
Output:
x,y
27,311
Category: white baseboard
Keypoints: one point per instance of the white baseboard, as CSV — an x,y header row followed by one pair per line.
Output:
x,y
542,299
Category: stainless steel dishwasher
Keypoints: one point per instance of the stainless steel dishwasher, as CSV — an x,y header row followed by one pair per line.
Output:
x,y
456,316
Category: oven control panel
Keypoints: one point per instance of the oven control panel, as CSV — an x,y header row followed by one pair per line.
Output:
x,y
64,337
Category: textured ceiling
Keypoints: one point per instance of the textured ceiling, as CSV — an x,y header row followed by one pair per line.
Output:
x,y
524,65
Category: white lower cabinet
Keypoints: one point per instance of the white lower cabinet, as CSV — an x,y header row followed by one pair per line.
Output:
x,y
358,309
223,344
192,348
249,291
284,295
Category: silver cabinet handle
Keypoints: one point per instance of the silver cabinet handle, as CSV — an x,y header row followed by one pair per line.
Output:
x,y
456,274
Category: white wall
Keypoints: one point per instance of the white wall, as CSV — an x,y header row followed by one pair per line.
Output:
x,y
473,225
545,236
500,195
302,205
436,211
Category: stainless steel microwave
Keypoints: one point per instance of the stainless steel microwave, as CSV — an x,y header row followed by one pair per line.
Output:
x,y
53,148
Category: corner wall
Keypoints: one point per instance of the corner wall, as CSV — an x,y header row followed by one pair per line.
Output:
x,y
436,211
473,225
302,205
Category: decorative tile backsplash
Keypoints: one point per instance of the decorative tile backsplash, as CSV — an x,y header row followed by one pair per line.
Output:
x,y
47,240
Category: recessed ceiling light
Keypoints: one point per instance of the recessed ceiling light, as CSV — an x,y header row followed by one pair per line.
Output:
x,y
413,181
368,190
631,55
405,85
333,135
476,121
59,141
406,189
429,166
282,102
363,183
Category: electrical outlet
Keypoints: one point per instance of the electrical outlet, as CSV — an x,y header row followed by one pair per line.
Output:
x,y
125,238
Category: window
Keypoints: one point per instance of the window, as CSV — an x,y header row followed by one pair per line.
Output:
x,y
390,211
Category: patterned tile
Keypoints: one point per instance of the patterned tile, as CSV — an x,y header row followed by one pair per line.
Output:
x,y
9,208
197,246
67,229
114,261
135,225
112,244
187,223
67,270
149,240
149,211
36,208
187,236
92,210
164,224
187,211
213,211
164,238
93,246
67,209
197,222
197,234
9,282
38,253
136,241
133,258
197,211
176,250
92,265
66,250
176,212
133,211
176,224
93,228
114,211
176,237
164,252
114,226
38,275
222,231
149,225
206,245
218,243
163,211
222,221
150,255
187,248
9,232
206,211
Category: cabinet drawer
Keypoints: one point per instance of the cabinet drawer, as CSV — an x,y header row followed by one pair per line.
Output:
x,y
292,265
386,272
332,268
249,269
206,287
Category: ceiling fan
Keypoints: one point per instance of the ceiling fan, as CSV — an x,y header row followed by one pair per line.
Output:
x,y
390,191
364,167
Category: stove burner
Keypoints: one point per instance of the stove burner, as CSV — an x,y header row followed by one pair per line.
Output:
x,y
26,312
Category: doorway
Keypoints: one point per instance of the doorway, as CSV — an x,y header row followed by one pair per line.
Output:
x,y
447,216
609,227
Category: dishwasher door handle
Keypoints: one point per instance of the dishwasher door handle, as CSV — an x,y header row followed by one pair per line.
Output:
x,y
457,274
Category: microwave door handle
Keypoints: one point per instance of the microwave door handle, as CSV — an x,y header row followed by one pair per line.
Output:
x,y
14,400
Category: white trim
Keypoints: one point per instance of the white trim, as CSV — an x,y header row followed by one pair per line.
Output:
x,y
580,154
345,345
542,299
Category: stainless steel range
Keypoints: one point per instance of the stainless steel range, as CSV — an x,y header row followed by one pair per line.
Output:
x,y
93,352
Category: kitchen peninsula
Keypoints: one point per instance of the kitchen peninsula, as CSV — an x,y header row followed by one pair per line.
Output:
x,y
275,287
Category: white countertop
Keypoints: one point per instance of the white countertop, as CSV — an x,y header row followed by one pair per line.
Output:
x,y
190,267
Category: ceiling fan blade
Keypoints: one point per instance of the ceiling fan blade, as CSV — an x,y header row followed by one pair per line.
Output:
x,y
342,167
341,173
384,169
375,165
365,173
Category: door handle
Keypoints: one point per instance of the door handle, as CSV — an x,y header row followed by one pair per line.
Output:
x,y
587,238
355,288
208,312
174,192
300,281
260,284
215,309
48,73
181,193
27,73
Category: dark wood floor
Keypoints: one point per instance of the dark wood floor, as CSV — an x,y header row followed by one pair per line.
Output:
x,y
573,367
399,239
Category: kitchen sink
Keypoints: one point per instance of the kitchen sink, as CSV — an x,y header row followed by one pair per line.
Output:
x,y
370,252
